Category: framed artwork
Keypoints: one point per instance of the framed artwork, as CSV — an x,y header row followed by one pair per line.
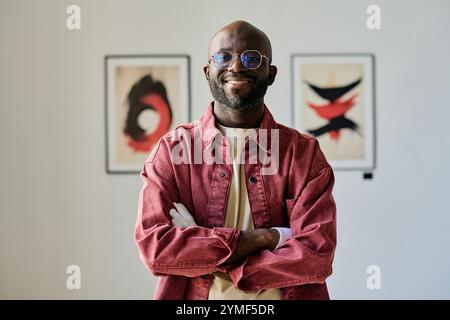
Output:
x,y
333,100
146,96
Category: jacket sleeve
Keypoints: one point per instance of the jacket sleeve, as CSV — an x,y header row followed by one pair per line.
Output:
x,y
308,255
169,250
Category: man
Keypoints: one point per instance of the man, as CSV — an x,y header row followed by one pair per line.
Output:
x,y
229,229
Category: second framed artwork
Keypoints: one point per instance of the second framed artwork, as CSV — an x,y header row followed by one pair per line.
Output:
x,y
146,97
333,100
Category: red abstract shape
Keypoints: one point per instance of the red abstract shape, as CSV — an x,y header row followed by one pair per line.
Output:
x,y
333,109
334,135
160,106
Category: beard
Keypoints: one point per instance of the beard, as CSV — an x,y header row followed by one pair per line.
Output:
x,y
235,102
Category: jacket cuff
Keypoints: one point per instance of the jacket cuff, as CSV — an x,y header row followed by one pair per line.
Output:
x,y
237,273
230,238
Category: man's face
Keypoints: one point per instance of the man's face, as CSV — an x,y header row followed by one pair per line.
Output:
x,y
235,86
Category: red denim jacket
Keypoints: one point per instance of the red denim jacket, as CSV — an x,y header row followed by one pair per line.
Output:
x,y
298,196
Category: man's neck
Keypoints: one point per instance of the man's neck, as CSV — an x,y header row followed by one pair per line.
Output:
x,y
247,118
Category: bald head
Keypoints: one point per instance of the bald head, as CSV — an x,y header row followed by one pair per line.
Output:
x,y
236,85
239,36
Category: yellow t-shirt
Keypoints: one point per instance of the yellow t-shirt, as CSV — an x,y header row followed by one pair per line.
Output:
x,y
238,215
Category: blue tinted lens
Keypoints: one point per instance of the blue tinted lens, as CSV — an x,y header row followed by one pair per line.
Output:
x,y
222,58
251,59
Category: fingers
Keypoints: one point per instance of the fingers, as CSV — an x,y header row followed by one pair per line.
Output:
x,y
185,213
182,210
177,219
174,213
181,216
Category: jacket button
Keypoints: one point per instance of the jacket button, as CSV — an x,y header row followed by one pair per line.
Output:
x,y
222,174
252,179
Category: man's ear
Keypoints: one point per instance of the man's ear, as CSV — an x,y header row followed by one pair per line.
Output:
x,y
272,74
206,71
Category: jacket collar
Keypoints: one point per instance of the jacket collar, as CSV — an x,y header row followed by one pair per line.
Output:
x,y
209,129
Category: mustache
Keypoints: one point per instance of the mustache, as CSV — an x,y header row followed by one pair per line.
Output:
x,y
237,74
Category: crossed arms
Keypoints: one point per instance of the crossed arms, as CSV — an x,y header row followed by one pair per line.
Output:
x,y
249,242
246,256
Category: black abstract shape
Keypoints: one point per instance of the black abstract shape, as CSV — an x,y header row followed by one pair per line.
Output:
x,y
335,124
144,86
331,94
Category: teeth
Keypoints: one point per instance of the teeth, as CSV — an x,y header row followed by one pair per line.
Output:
x,y
238,81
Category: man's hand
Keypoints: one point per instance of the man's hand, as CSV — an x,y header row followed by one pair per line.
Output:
x,y
253,241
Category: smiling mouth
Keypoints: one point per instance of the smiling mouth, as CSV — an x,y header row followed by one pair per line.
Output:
x,y
238,81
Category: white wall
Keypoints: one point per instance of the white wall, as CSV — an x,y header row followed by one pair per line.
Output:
x,y
59,207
